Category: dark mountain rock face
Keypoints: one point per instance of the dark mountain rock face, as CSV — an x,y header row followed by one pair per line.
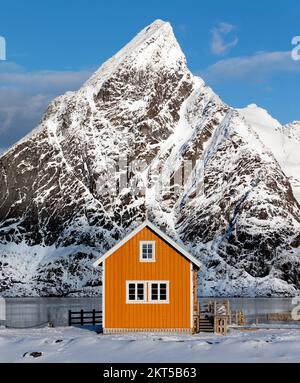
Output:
x,y
144,134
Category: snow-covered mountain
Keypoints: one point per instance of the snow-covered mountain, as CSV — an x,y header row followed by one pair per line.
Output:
x,y
283,141
145,136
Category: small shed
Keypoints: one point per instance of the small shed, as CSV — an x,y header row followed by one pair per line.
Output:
x,y
149,284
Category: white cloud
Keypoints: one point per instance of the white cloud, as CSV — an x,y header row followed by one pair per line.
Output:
x,y
12,75
218,44
18,110
255,68
25,95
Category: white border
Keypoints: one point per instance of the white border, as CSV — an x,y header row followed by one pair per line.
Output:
x,y
167,301
103,296
136,301
141,251
192,294
179,248
147,299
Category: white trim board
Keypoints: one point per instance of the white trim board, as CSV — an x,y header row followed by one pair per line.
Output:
x,y
103,295
152,227
191,295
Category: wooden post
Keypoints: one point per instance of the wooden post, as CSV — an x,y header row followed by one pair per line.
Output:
x,y
215,307
225,326
70,318
241,318
94,317
229,312
81,317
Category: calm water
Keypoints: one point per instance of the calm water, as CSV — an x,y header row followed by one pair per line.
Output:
x,y
27,312
258,308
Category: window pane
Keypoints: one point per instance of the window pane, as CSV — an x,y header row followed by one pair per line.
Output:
x,y
140,291
154,291
131,288
145,251
163,291
131,291
154,295
150,250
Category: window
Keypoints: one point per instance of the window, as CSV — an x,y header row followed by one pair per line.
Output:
x,y
147,292
135,292
159,292
147,251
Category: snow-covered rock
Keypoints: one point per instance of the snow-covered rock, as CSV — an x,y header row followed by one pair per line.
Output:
x,y
201,170
282,140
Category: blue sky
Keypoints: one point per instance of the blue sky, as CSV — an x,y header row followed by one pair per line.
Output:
x,y
241,48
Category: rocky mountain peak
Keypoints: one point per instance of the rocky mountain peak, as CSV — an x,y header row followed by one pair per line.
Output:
x,y
155,47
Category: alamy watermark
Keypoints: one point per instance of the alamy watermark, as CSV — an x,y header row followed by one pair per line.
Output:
x,y
135,177
296,50
2,48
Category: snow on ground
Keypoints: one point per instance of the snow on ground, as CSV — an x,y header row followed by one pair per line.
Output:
x,y
67,344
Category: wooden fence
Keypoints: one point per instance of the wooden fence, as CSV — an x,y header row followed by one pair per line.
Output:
x,y
81,318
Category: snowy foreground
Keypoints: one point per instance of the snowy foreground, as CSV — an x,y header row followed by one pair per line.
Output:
x,y
76,345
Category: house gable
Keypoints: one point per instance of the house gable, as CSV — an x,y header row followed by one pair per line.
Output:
x,y
180,249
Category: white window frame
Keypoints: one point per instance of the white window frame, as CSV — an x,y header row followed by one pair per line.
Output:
x,y
141,251
136,301
158,301
147,292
